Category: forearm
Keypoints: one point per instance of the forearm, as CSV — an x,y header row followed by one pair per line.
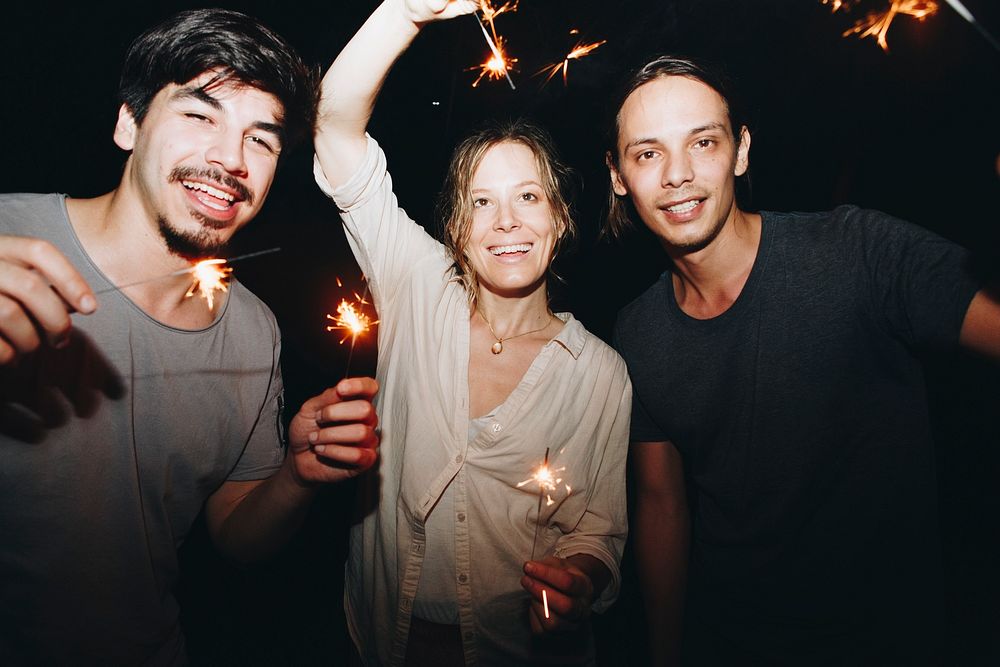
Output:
x,y
662,536
351,86
249,522
595,570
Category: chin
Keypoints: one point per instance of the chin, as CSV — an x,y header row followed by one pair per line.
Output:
x,y
191,245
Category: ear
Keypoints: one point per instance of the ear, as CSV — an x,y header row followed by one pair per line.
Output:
x,y
743,152
125,129
617,185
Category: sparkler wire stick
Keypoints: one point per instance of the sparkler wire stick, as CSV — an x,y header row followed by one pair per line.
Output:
x,y
354,337
181,272
496,52
538,520
538,517
963,11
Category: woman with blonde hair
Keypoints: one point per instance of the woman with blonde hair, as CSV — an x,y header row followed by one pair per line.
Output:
x,y
479,380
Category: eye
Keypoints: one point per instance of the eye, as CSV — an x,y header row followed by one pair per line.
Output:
x,y
528,196
646,155
197,116
263,143
704,143
480,202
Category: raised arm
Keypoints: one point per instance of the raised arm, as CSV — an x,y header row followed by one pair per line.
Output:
x,y
352,83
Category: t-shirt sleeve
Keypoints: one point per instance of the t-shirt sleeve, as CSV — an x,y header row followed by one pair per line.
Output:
x,y
265,447
642,428
921,284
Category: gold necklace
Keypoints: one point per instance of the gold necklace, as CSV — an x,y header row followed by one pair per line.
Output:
x,y
497,347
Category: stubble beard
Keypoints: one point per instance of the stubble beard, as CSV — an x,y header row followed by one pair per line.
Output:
x,y
196,245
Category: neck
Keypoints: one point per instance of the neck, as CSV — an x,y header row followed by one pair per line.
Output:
x,y
509,316
110,228
708,280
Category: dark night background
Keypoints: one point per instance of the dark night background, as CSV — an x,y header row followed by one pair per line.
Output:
x,y
913,132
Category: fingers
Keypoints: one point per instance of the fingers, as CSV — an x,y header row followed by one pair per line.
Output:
x,y
561,588
38,288
357,387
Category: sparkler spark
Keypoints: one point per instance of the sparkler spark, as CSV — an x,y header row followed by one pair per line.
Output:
x,y
210,276
876,24
490,13
498,65
579,51
351,318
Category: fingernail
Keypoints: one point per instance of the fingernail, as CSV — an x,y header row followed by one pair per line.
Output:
x,y
314,436
318,416
88,304
319,449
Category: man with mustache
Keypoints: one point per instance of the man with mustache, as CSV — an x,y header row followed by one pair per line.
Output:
x,y
124,412
777,387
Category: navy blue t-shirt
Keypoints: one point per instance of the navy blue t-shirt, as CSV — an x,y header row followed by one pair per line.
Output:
x,y
801,417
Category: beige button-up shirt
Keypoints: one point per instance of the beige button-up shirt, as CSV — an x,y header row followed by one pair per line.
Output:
x,y
575,399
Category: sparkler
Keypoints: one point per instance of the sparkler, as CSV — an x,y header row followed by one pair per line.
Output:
x,y
547,480
579,51
209,276
352,320
967,15
499,64
876,24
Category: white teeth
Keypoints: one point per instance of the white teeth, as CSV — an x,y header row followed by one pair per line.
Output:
x,y
506,249
683,208
215,192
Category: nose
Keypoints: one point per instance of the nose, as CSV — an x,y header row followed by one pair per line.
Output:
x,y
506,219
677,171
227,151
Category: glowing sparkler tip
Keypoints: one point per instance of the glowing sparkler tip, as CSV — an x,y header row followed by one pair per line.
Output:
x,y
210,276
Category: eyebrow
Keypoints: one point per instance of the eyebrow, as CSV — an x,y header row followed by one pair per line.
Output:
x,y
715,125
516,185
199,94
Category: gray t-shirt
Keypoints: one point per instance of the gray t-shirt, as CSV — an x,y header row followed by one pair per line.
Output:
x,y
108,450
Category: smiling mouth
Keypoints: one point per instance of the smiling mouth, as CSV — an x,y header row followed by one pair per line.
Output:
x,y
683,207
517,248
209,196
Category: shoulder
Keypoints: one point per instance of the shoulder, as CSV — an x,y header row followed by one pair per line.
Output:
x,y
650,306
15,206
845,222
588,348
249,313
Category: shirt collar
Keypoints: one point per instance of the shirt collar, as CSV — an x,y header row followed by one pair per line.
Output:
x,y
572,337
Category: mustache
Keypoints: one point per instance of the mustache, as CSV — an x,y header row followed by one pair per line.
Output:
x,y
212,175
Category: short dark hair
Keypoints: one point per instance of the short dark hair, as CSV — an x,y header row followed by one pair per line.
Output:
x,y
713,76
238,47
455,202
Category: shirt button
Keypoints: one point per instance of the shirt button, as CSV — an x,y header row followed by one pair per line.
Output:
x,y
497,427
462,578
458,459
461,517
406,603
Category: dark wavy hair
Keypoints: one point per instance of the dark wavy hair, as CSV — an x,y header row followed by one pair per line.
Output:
x,y
235,46
455,202
618,220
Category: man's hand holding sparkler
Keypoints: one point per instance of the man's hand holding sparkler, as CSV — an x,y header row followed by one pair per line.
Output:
x,y
39,289
333,436
562,591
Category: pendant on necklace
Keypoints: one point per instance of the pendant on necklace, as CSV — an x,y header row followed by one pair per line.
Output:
x,y
497,347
